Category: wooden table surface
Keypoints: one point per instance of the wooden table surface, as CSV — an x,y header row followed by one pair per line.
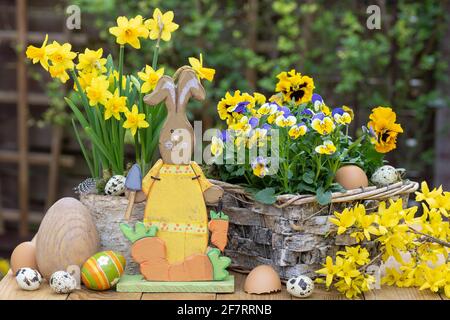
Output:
x,y
10,291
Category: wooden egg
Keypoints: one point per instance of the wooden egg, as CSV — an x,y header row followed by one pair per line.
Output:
x,y
262,279
103,270
24,256
351,177
67,236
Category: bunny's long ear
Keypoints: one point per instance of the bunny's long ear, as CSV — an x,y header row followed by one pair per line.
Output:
x,y
188,86
164,91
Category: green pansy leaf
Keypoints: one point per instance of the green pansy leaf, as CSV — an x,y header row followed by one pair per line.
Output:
x,y
266,196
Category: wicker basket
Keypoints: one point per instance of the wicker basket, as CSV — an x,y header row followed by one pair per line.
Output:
x,y
293,235
290,235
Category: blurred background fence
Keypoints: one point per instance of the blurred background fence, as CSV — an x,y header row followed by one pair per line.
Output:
x,y
404,65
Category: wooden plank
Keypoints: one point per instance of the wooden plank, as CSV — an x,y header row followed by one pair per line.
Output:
x,y
2,218
22,115
53,170
36,158
178,296
85,294
9,290
321,293
395,293
239,293
34,99
13,215
136,283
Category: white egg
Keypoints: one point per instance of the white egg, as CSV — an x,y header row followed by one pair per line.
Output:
x,y
62,282
28,279
300,287
115,186
386,175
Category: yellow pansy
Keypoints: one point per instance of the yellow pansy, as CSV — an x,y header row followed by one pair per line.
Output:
x,y
202,72
129,31
150,78
382,122
259,98
327,147
341,116
295,87
61,55
39,54
135,120
97,92
322,124
216,146
349,111
92,61
268,108
161,25
297,131
259,166
283,121
242,126
258,137
115,105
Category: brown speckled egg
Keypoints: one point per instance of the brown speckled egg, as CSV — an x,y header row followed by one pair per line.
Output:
x,y
351,177
24,256
262,279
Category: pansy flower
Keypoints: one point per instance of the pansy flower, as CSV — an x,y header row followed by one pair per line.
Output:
x,y
341,117
297,130
382,121
322,124
268,108
283,121
327,147
295,87
257,137
259,166
240,107
216,146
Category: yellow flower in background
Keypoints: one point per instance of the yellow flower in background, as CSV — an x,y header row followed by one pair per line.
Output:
x,y
161,25
428,196
327,147
150,78
114,78
115,105
129,31
349,111
297,131
329,270
382,121
322,124
97,92
343,220
356,254
135,120
59,72
259,98
4,267
39,54
92,61
283,121
61,56
295,87
202,72
216,146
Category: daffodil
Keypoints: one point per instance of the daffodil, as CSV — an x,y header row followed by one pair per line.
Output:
x,y
114,79
84,79
39,54
161,25
135,120
129,31
259,166
97,91
61,56
115,105
297,130
59,72
150,78
322,124
327,147
92,61
295,87
202,72
216,146
283,121
343,220
382,121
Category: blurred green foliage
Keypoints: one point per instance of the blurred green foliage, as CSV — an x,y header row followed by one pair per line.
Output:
x,y
399,65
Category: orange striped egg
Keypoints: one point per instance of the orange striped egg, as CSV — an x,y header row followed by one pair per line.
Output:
x,y
103,270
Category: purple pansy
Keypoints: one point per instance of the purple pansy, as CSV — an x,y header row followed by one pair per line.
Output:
x,y
225,135
241,107
319,116
338,111
253,122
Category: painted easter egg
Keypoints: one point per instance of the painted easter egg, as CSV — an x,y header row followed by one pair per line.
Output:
x,y
115,186
102,271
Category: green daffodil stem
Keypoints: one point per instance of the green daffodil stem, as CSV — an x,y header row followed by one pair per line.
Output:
x,y
136,147
121,58
156,54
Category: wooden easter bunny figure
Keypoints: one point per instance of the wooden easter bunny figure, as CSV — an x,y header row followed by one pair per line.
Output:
x,y
173,243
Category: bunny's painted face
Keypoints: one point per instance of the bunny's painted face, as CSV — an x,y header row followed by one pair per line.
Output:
x,y
176,144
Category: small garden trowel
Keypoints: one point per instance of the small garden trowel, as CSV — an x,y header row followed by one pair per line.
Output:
x,y
133,183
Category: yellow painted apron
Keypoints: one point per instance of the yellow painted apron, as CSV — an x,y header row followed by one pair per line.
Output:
x,y
176,206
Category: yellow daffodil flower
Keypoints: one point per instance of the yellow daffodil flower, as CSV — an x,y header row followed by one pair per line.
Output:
x,y
344,220
39,54
61,56
216,146
202,72
92,61
135,120
327,147
297,131
85,78
161,25
150,78
59,72
114,78
115,105
382,121
97,92
283,121
129,31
